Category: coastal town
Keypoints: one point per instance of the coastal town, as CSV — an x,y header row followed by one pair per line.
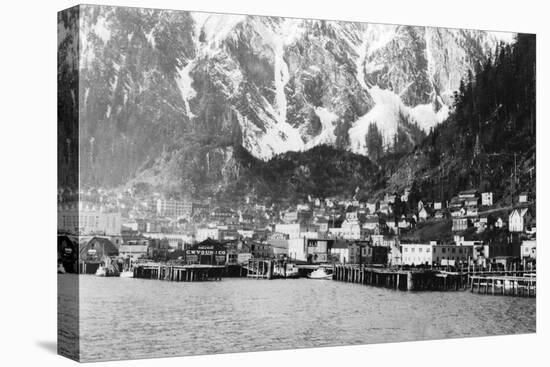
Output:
x,y
470,230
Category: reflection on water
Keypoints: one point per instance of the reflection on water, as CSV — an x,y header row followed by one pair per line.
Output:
x,y
136,318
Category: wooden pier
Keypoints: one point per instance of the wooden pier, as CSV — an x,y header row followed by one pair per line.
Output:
x,y
524,286
259,269
522,283
406,280
179,273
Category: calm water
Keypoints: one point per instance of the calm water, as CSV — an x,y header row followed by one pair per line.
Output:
x,y
137,318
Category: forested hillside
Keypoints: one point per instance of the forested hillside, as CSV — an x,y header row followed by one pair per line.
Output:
x,y
488,141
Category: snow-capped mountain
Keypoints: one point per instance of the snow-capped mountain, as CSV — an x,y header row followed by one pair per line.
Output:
x,y
152,81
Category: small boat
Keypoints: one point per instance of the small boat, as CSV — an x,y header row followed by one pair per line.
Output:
x,y
101,271
319,274
292,271
61,269
127,274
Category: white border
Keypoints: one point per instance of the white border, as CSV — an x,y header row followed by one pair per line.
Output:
x,y
28,180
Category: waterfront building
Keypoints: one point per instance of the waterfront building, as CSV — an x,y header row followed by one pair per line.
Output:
x,y
451,254
95,249
317,250
174,240
416,253
339,251
133,251
208,252
529,250
297,249
394,255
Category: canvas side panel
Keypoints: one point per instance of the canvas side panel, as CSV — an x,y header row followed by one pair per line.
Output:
x,y
68,183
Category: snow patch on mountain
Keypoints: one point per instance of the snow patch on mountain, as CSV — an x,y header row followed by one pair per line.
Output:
x,y
271,139
100,29
326,136
386,114
215,27
185,86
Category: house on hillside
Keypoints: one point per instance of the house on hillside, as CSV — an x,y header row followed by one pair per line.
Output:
x,y
371,223
468,194
423,214
405,195
390,198
523,197
499,223
471,202
460,224
520,220
384,207
487,198
372,206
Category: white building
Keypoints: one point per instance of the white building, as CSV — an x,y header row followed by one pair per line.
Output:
x,y
416,254
88,219
297,249
529,249
204,233
297,230
132,251
487,198
518,219
174,208
175,240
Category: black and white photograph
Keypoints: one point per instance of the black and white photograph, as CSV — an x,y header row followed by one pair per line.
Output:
x,y
240,183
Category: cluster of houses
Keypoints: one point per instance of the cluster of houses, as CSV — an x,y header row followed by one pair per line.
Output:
x,y
314,231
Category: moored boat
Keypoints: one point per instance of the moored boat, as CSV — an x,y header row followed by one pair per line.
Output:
x,y
319,274
127,274
101,271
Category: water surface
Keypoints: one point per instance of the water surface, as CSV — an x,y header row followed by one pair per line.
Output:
x,y
137,318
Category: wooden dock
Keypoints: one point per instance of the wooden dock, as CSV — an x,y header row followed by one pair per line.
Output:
x,y
179,273
406,280
516,283
524,286
259,269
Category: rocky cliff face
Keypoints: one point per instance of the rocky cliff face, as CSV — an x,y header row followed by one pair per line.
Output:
x,y
168,95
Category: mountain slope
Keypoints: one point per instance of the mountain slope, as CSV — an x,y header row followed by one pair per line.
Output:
x,y
155,81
